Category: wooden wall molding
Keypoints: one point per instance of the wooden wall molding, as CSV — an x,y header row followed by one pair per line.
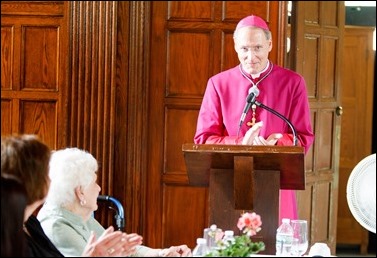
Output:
x,y
91,90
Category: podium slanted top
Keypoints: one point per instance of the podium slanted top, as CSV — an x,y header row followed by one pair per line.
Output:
x,y
289,160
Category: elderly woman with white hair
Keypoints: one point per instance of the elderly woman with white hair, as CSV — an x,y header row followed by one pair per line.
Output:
x,y
67,215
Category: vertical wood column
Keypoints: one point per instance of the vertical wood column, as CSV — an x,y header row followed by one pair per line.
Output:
x,y
92,89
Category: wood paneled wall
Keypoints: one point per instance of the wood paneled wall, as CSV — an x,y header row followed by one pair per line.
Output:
x,y
124,81
59,76
34,69
190,42
93,75
317,45
92,85
357,103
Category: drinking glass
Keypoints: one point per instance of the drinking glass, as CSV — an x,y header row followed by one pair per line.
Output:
x,y
300,237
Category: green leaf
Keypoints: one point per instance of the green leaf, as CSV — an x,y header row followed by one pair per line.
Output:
x,y
243,246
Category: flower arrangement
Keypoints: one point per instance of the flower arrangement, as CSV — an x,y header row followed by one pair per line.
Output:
x,y
241,246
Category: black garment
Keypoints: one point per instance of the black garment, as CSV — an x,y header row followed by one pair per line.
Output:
x,y
39,244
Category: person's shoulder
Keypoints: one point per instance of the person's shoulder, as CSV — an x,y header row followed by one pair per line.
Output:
x,y
55,219
60,229
48,212
32,221
34,228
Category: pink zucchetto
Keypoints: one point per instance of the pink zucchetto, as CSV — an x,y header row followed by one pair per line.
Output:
x,y
252,20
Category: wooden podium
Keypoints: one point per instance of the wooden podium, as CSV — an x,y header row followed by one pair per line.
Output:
x,y
245,178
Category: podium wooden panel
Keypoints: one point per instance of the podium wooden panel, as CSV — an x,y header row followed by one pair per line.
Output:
x,y
245,178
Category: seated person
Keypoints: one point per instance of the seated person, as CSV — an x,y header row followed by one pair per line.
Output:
x,y
13,205
27,158
67,215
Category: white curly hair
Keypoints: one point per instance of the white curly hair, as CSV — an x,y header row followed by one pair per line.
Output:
x,y
69,168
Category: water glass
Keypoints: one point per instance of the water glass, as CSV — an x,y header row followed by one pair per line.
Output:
x,y
300,237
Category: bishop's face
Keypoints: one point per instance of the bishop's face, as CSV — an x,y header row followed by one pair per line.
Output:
x,y
252,47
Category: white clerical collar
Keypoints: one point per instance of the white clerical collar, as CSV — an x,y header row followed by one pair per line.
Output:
x,y
254,76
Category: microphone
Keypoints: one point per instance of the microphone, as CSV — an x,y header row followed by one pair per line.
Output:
x,y
253,93
282,117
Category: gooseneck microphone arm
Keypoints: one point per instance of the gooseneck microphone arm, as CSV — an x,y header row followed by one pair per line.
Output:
x,y
282,117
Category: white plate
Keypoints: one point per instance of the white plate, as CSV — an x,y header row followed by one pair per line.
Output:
x,y
361,192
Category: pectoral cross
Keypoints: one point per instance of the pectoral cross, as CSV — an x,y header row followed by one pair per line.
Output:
x,y
253,119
